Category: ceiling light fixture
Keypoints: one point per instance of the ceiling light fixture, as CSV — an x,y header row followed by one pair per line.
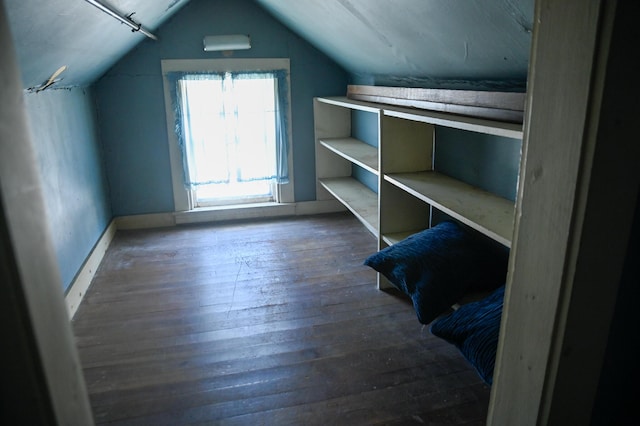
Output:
x,y
127,20
226,42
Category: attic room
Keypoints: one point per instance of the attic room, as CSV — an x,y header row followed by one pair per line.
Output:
x,y
87,157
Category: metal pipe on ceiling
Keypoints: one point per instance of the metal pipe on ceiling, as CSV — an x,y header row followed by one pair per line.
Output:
x,y
135,26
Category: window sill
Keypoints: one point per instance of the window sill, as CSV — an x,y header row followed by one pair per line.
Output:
x,y
235,212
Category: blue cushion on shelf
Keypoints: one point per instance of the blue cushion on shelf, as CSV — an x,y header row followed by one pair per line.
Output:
x,y
474,329
437,266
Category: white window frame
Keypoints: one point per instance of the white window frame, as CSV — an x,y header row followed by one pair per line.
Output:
x,y
182,197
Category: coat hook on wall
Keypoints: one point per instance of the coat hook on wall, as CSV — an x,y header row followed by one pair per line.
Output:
x,y
127,20
50,81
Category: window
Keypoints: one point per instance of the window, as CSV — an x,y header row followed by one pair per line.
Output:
x,y
231,141
229,125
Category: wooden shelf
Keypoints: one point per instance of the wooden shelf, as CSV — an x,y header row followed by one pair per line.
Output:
x,y
343,101
396,237
462,122
359,199
481,210
479,125
402,163
354,150
491,105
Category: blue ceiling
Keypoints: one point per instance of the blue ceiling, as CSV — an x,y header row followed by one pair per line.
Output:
x,y
51,33
427,43
417,42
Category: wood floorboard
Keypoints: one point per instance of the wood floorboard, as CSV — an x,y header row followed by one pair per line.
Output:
x,y
273,322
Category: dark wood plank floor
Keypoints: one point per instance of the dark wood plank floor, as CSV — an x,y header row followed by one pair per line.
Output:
x,y
264,323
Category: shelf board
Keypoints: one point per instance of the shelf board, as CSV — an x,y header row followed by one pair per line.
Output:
x,y
491,105
359,199
456,121
343,101
396,237
354,150
481,210
481,125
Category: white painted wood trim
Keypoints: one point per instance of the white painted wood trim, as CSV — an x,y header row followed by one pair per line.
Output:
x,y
319,207
181,196
238,212
57,386
258,211
362,201
343,101
511,101
82,281
485,212
228,64
215,214
473,124
480,125
579,183
355,151
142,221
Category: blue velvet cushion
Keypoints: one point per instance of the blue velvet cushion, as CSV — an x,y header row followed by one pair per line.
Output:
x,y
437,266
474,329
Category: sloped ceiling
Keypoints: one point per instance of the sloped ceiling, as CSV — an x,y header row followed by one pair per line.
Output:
x,y
51,33
401,42
417,42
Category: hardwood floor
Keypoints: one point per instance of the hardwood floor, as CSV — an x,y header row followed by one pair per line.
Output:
x,y
262,323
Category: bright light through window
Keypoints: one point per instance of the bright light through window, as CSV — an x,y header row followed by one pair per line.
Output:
x,y
230,136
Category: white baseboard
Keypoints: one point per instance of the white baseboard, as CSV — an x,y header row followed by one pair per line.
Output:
x,y
319,207
143,221
257,211
238,212
82,281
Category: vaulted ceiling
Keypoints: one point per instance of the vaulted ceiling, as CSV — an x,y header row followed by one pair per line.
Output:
x,y
52,33
404,42
417,41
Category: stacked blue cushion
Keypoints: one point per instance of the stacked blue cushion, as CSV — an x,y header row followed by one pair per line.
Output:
x,y
474,329
438,266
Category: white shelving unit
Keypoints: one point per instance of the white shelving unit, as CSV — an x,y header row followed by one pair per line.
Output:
x,y
337,151
481,210
402,164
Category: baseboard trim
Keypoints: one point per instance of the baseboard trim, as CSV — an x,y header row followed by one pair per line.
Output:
x,y
238,212
82,281
144,221
319,207
257,211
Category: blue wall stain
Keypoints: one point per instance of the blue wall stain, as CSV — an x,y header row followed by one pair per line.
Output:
x,y
64,132
131,109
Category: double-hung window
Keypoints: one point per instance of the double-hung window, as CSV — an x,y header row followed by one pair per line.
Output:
x,y
230,122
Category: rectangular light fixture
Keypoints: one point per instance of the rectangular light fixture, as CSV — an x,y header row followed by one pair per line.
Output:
x,y
226,42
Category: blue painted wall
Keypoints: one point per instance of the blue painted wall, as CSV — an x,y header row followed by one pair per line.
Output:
x,y
364,126
64,131
486,161
131,109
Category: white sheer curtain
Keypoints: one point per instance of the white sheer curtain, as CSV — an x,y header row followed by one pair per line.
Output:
x,y
231,128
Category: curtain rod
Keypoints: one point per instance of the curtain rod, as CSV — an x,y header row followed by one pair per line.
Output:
x,y
135,27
